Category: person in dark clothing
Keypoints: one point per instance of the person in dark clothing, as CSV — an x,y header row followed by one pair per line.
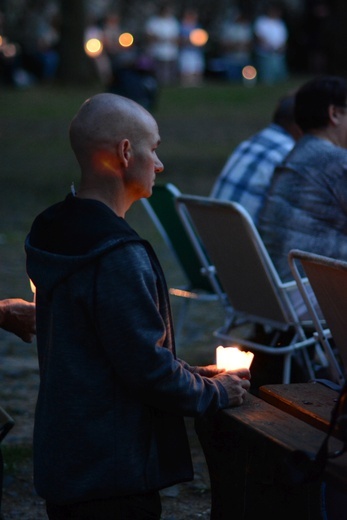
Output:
x,y
109,427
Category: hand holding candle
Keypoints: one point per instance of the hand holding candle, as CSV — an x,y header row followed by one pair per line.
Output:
x,y
236,379
231,358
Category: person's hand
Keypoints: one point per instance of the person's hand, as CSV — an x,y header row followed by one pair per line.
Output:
x,y
18,316
236,383
208,370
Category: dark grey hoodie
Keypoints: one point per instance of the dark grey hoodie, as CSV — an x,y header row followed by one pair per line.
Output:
x,y
113,396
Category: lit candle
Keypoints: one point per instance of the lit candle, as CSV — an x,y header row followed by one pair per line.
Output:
x,y
231,358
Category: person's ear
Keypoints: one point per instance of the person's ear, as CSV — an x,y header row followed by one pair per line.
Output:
x,y
333,112
124,151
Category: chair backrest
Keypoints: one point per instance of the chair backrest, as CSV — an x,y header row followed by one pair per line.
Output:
x,y
328,279
162,210
243,266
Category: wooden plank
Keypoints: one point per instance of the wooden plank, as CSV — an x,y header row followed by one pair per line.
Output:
x,y
251,454
310,402
258,417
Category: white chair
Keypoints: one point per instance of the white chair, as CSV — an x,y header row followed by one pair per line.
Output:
x,y
328,280
255,293
199,285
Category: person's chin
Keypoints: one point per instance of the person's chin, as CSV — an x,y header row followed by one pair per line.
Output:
x,y
147,193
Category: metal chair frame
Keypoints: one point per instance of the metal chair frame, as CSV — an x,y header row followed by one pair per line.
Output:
x,y
255,293
200,286
328,280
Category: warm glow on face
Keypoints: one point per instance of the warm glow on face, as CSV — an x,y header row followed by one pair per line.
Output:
x,y
198,37
93,47
126,40
249,72
231,358
104,161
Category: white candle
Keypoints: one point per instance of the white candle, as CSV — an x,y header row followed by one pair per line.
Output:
x,y
231,358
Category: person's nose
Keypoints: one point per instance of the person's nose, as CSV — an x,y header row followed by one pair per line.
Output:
x,y
159,167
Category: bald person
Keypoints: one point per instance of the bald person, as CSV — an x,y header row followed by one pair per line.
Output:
x,y
109,426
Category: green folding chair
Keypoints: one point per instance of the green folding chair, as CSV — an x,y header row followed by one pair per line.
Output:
x,y
200,284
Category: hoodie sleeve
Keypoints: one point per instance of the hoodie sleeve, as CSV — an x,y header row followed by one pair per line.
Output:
x,y
133,333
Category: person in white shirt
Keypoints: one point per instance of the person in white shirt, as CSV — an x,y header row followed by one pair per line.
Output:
x,y
163,33
271,35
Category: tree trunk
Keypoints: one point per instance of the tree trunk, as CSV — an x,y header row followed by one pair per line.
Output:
x,y
337,42
75,66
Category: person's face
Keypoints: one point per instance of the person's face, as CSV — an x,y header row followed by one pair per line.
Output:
x,y
145,164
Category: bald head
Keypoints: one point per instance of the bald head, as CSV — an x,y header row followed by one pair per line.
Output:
x,y
102,122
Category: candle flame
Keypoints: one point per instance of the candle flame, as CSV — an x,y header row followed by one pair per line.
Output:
x,y
231,358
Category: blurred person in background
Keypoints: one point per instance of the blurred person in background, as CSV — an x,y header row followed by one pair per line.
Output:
x,y
111,31
163,32
39,41
270,45
132,70
236,43
191,56
247,174
317,32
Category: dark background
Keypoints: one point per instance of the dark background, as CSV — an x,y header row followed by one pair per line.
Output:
x,y
313,25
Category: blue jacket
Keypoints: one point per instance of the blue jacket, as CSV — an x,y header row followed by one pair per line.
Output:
x,y
112,398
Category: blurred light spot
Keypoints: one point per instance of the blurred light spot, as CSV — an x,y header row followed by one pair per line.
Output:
x,y
198,37
93,47
9,50
249,72
126,40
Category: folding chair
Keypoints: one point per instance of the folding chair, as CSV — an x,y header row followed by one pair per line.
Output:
x,y
328,279
248,277
199,285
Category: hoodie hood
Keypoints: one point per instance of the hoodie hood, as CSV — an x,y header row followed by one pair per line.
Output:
x,y
69,235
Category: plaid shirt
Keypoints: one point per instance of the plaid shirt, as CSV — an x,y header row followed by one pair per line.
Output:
x,y
246,175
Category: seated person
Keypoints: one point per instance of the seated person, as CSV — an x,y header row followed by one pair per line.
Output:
x,y
306,206
247,173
